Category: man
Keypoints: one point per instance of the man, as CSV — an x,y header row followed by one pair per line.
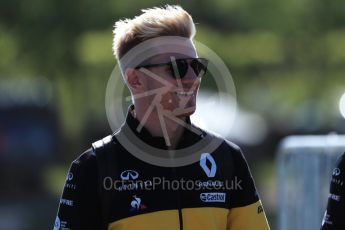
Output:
x,y
110,186
335,213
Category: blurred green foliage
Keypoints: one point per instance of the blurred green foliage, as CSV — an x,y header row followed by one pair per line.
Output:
x,y
287,59
283,55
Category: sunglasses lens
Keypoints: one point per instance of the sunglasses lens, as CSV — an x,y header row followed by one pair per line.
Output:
x,y
199,66
182,68
179,67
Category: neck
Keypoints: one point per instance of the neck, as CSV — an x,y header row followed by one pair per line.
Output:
x,y
162,126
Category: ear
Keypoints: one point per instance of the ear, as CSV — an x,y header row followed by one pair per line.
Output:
x,y
133,79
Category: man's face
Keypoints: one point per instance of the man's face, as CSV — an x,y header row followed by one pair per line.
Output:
x,y
173,95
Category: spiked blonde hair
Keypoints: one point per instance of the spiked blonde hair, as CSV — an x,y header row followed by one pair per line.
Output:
x,y
153,22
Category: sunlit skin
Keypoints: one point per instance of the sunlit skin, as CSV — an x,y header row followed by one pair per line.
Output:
x,y
168,100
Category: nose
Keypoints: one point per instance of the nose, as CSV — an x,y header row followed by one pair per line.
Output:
x,y
190,75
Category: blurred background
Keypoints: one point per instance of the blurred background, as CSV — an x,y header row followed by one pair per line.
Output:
x,y
287,59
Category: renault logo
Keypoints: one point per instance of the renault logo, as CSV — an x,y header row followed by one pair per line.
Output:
x,y
129,175
205,160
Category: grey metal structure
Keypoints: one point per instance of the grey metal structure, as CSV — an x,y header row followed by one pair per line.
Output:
x,y
305,165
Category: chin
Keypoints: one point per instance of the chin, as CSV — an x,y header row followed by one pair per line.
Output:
x,y
186,115
186,112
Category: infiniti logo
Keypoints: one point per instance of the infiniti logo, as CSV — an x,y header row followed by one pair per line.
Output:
x,y
129,175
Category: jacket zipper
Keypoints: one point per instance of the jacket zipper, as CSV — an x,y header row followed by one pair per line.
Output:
x,y
180,217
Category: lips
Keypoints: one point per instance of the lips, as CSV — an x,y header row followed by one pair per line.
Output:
x,y
185,93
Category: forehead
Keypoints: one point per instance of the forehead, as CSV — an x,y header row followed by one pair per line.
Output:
x,y
187,50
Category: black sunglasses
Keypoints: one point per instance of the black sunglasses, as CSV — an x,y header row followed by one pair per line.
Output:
x,y
199,65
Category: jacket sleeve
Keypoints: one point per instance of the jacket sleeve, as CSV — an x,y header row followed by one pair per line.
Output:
x,y
334,215
246,211
79,206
